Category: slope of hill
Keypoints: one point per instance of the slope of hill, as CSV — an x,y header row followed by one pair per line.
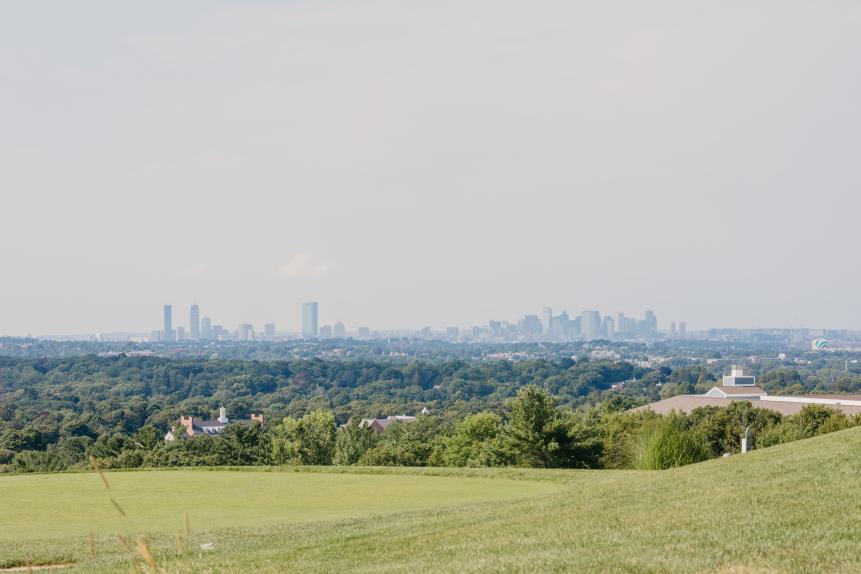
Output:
x,y
791,508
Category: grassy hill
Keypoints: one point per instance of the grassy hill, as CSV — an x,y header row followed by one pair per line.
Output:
x,y
791,508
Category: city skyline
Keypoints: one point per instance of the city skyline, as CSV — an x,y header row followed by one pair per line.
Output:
x,y
585,326
588,324
591,324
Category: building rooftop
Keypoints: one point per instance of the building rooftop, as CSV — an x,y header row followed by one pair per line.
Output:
x,y
741,390
783,405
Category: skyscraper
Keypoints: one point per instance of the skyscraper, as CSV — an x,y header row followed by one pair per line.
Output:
x,y
546,321
530,325
590,324
206,328
245,332
561,325
608,327
339,330
194,323
650,322
683,329
269,330
620,323
309,320
169,335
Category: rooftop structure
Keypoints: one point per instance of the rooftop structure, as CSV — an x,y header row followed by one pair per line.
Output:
x,y
737,378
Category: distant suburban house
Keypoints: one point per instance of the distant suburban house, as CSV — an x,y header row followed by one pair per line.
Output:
x,y
195,427
379,425
740,387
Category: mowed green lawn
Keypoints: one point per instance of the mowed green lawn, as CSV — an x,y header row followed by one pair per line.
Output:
x,y
792,508
63,505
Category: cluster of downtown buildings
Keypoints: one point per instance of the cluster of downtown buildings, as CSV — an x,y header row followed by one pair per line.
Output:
x,y
202,329
588,325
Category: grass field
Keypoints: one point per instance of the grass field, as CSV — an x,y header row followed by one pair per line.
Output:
x,y
792,508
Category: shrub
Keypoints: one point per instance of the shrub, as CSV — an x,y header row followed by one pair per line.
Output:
x,y
664,444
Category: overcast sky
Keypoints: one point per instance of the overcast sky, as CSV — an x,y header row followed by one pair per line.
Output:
x,y
428,163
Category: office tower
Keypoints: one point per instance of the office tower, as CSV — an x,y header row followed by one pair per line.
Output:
x,y
326,332
206,329
339,331
546,321
245,332
169,335
269,330
608,327
309,320
452,333
650,322
530,325
561,325
590,324
673,329
620,323
574,329
194,323
180,333
683,329
364,333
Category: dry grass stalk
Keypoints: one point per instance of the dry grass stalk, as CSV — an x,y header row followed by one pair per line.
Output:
x,y
144,551
98,470
133,565
118,507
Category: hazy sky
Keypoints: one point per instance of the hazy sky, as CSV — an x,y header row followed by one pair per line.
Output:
x,y
428,163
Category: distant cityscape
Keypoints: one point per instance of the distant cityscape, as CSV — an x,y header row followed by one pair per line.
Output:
x,y
588,325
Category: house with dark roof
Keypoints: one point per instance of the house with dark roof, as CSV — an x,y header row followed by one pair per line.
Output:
x,y
740,387
190,427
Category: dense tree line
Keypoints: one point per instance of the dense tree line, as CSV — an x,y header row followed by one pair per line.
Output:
x,y
54,412
75,404
533,432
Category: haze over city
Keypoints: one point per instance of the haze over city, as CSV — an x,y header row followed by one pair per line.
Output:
x,y
431,164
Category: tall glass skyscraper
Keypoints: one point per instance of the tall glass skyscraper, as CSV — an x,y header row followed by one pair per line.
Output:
x,y
194,325
309,320
590,324
205,328
169,334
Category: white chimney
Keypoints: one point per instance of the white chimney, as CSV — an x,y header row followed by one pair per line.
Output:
x,y
222,415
